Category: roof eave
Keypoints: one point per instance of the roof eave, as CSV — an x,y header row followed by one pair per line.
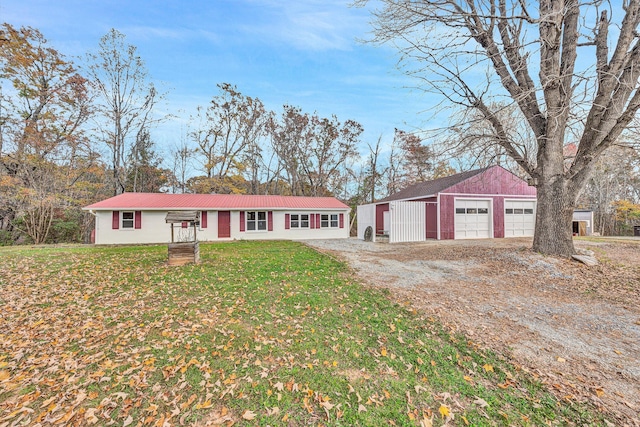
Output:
x,y
199,208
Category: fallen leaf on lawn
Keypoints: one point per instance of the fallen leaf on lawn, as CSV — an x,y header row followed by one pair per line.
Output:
x,y
327,405
444,411
419,388
383,352
278,386
248,415
204,405
480,402
561,360
362,408
488,368
128,421
90,416
273,411
4,375
189,401
599,392
426,421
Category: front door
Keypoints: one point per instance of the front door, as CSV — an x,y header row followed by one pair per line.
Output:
x,y
224,224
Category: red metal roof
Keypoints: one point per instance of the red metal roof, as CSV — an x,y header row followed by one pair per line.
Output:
x,y
159,201
490,180
431,188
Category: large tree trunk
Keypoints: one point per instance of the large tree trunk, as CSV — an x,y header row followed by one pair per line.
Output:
x,y
554,217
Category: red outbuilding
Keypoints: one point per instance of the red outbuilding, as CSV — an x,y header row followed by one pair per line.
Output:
x,y
482,203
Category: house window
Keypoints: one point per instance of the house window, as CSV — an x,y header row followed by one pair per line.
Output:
x,y
127,219
256,220
528,211
329,220
299,221
483,210
509,211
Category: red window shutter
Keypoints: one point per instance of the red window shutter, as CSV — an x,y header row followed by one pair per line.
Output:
x,y
184,224
115,220
270,221
341,220
287,221
312,220
203,219
317,220
138,220
241,220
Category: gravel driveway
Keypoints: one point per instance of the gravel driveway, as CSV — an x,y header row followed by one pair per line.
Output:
x,y
576,327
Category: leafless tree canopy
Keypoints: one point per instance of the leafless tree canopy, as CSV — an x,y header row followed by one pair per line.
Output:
x,y
126,100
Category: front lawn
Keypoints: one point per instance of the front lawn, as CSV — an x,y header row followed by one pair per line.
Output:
x,y
259,333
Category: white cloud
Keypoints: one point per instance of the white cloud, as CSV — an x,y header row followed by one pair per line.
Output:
x,y
307,25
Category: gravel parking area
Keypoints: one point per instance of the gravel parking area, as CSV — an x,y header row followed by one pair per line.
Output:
x,y
574,326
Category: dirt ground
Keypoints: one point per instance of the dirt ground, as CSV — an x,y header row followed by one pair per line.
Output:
x,y
575,327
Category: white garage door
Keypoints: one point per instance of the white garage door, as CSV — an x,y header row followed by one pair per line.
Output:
x,y
519,218
473,219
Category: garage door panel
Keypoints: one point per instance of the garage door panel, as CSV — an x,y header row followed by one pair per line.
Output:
x,y
519,218
472,219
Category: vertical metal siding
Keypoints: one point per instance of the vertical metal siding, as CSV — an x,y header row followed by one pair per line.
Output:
x,y
366,217
408,222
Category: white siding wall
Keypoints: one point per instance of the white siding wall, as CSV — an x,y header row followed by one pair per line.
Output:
x,y
155,230
366,218
407,222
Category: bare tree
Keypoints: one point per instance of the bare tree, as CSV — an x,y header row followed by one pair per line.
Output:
x,y
471,143
126,97
181,157
373,173
227,135
313,151
589,101
287,137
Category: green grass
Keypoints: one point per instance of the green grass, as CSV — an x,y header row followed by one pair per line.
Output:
x,y
100,335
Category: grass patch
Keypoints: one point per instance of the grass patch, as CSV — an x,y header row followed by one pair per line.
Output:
x,y
257,333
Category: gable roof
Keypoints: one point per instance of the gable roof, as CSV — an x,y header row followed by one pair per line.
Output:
x,y
163,201
431,188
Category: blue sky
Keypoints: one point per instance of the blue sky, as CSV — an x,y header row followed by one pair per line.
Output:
x,y
303,53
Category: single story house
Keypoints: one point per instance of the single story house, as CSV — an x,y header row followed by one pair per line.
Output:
x,y
483,203
140,217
